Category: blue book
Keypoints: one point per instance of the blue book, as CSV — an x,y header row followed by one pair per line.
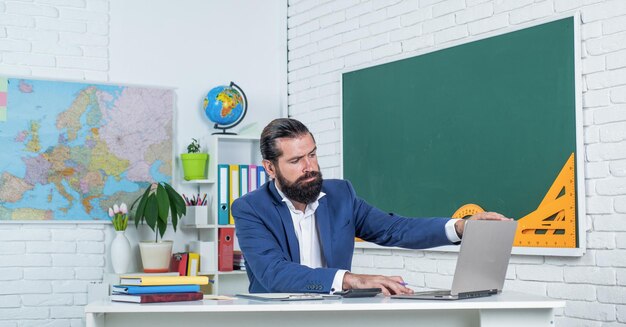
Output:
x,y
126,289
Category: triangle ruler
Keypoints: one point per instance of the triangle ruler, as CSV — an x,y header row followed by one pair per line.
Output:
x,y
553,223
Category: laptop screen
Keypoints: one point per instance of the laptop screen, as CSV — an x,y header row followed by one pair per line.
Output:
x,y
484,256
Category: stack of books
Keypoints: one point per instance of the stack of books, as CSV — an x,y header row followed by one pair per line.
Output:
x,y
239,263
149,289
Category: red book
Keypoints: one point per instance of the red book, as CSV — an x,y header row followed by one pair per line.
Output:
x,y
179,263
225,249
157,297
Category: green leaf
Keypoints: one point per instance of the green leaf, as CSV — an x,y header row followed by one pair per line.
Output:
x,y
163,202
176,198
140,213
152,212
174,217
162,227
178,209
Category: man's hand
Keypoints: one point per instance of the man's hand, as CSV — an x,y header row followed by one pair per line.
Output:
x,y
388,284
459,226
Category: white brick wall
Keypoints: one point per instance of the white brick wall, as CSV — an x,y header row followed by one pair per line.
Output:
x,y
60,39
45,268
326,37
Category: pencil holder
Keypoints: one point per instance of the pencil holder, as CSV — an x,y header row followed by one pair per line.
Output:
x,y
197,215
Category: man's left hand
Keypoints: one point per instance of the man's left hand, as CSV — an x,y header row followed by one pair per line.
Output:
x,y
460,225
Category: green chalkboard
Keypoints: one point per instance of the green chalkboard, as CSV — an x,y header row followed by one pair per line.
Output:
x,y
490,122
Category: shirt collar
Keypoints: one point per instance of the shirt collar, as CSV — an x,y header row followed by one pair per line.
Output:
x,y
311,207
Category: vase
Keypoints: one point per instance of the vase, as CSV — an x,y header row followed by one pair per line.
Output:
x,y
120,253
155,256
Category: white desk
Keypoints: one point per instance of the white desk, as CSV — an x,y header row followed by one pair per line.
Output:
x,y
509,309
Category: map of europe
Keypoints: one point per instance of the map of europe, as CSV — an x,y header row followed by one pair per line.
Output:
x,y
72,150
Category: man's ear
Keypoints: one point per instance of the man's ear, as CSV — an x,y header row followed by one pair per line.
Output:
x,y
269,168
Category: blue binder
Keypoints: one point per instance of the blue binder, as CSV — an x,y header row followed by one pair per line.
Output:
x,y
244,185
261,176
223,172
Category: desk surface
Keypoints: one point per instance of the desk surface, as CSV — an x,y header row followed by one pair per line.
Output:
x,y
506,300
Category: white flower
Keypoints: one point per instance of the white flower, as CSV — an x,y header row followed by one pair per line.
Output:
x,y
123,208
111,214
116,209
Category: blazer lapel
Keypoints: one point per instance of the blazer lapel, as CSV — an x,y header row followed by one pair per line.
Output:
x,y
322,218
285,217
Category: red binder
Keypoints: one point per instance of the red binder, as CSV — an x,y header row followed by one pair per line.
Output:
x,y
179,263
225,249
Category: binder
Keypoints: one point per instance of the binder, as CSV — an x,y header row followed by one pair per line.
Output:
x,y
252,179
223,208
243,180
234,190
261,176
193,265
179,263
225,249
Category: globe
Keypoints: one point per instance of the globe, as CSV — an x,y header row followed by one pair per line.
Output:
x,y
226,106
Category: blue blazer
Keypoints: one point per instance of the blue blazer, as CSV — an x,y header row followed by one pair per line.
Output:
x,y
268,241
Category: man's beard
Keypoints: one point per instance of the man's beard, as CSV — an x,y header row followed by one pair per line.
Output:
x,y
299,191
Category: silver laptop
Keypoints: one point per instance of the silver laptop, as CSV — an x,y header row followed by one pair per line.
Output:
x,y
482,262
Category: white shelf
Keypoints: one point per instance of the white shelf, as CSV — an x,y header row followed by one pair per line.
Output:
x,y
222,149
234,272
199,181
204,226
215,272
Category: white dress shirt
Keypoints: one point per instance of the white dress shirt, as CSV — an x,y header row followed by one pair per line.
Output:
x,y
309,242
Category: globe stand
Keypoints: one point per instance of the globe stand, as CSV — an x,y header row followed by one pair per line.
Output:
x,y
243,114
223,132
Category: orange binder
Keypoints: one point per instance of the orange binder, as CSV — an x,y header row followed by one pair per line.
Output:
x,y
225,249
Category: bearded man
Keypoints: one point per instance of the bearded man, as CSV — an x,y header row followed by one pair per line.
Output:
x,y
297,231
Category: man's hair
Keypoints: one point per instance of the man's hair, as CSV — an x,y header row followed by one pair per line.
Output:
x,y
278,128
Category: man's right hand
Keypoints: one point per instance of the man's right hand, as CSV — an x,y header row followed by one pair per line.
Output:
x,y
389,284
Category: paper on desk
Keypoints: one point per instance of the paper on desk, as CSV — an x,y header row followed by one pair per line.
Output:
x,y
282,296
217,297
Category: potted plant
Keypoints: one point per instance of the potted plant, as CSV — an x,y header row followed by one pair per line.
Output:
x,y
154,206
120,247
194,162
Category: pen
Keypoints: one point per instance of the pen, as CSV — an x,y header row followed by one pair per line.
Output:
x,y
407,284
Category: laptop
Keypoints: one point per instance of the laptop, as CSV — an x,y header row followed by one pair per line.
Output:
x,y
482,262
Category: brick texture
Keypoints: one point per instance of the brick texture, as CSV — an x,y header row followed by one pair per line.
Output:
x,y
592,285
46,268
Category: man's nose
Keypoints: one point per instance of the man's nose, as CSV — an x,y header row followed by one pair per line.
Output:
x,y
308,165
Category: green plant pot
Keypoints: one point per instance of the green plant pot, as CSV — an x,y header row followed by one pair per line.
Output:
x,y
194,165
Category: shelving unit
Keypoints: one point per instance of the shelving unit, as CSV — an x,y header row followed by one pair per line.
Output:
x,y
223,149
